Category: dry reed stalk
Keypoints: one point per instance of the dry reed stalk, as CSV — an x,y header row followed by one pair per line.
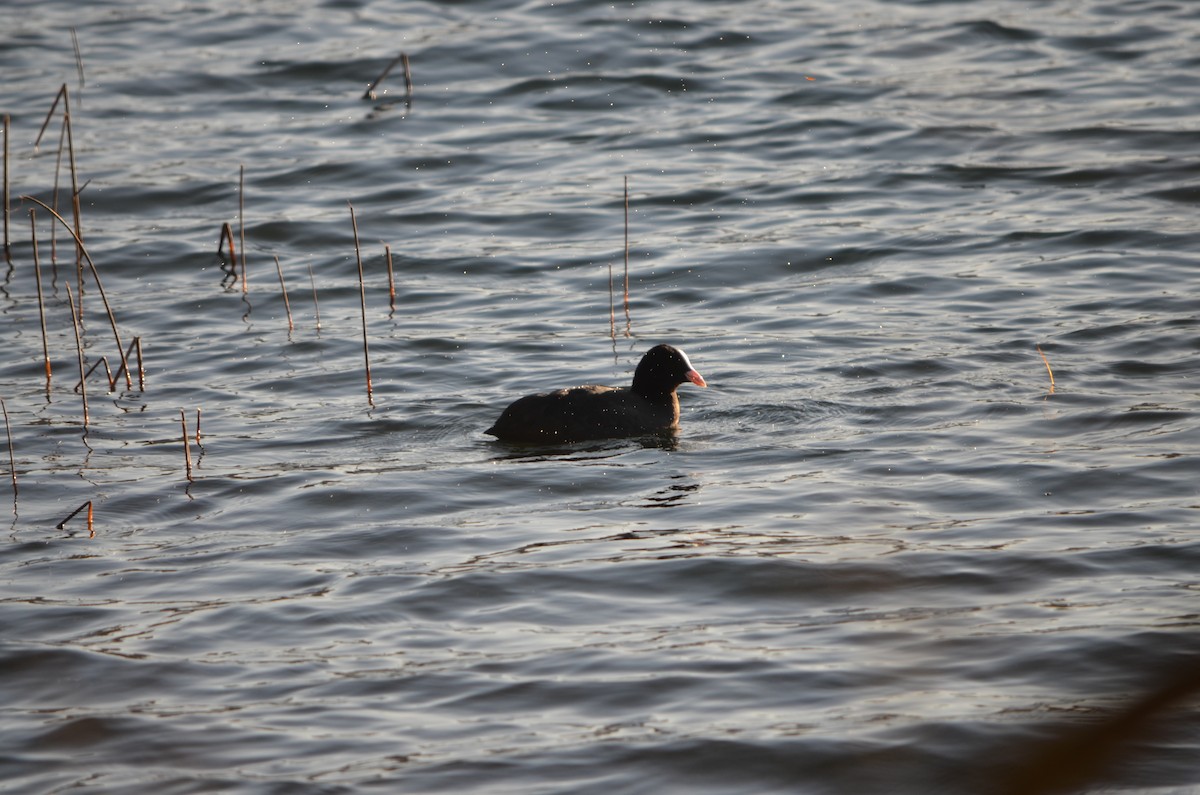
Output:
x,y
362,299
612,311
75,208
187,448
12,459
79,353
198,442
112,320
37,277
112,382
49,115
227,236
370,92
1049,372
387,252
7,247
408,84
627,321
63,524
136,344
242,221
62,143
78,57
316,305
283,289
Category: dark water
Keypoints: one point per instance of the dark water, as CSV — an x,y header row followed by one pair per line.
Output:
x,y
882,554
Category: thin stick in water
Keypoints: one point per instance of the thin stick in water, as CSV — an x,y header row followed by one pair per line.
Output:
x,y
227,236
12,459
370,92
283,289
112,382
37,276
78,57
626,255
7,247
63,524
316,305
1046,362
49,115
79,353
362,299
387,252
612,311
187,448
198,442
75,207
408,84
242,220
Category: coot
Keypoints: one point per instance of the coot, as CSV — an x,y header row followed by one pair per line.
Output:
x,y
579,413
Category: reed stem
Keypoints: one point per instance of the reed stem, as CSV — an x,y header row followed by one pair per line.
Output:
x,y
283,289
1046,362
370,92
37,277
112,382
627,321
362,299
12,459
75,207
79,353
7,246
63,524
387,252
242,221
187,448
316,305
78,57
227,235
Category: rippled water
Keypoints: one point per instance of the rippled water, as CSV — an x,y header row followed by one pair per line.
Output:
x,y
883,554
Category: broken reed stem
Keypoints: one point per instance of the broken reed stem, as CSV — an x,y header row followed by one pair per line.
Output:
x,y
135,345
198,442
370,92
1046,362
187,448
387,252
408,84
62,525
49,115
283,289
37,276
112,382
627,321
227,236
242,221
112,320
12,459
362,299
7,247
316,306
79,353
